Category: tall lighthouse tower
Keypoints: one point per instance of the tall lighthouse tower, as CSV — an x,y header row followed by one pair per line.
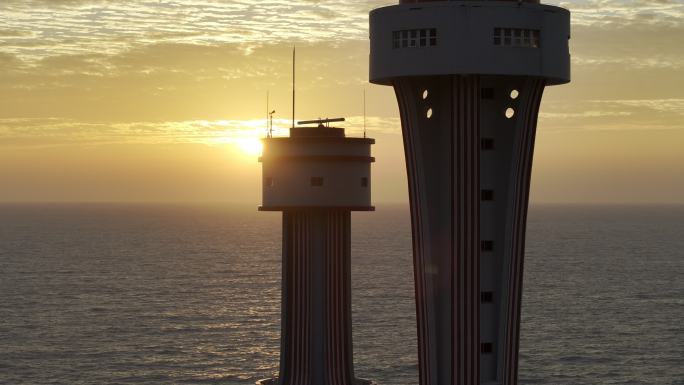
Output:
x,y
317,176
469,77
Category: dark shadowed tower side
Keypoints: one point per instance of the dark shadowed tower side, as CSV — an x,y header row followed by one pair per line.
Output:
x,y
469,77
317,176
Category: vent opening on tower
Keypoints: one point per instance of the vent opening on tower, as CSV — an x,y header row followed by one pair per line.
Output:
x,y
487,144
316,181
487,245
486,297
486,347
487,93
364,181
487,195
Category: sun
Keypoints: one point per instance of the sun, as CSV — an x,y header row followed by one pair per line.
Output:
x,y
250,146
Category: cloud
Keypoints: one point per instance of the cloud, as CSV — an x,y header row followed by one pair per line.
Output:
x,y
615,114
30,132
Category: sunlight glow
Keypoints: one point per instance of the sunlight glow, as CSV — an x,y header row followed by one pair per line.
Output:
x,y
250,146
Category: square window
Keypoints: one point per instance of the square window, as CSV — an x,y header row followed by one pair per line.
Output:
x,y
486,297
433,32
497,40
486,347
423,33
364,182
487,144
487,93
433,42
486,245
487,195
317,181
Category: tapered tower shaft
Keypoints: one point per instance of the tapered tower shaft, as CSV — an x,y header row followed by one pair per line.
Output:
x,y
468,77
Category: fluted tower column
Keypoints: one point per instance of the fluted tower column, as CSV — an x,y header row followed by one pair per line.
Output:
x,y
317,176
469,77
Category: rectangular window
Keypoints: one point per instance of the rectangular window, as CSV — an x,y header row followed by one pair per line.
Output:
x,y
364,182
414,38
486,347
316,181
516,37
487,245
487,195
486,297
487,144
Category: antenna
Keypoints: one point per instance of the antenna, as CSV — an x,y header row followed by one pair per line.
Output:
x,y
294,53
268,130
364,112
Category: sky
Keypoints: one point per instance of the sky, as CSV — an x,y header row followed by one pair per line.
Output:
x,y
164,100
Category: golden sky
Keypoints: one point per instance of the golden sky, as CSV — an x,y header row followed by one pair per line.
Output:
x,y
165,100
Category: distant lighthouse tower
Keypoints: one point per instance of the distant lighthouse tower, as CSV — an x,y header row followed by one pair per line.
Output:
x,y
317,176
469,77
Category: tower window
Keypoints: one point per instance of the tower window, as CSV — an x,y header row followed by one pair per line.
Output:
x,y
486,297
486,245
316,181
414,38
487,93
516,37
364,182
487,195
486,347
268,181
487,144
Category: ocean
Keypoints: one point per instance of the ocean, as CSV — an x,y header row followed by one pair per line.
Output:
x,y
173,294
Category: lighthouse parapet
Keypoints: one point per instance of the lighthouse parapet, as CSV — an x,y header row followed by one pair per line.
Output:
x,y
317,167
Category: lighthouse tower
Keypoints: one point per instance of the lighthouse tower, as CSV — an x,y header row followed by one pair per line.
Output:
x,y
469,77
317,176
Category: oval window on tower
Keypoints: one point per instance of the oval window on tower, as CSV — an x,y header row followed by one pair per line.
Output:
x,y
509,112
429,113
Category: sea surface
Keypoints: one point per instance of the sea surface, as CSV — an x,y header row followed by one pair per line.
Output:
x,y
168,294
